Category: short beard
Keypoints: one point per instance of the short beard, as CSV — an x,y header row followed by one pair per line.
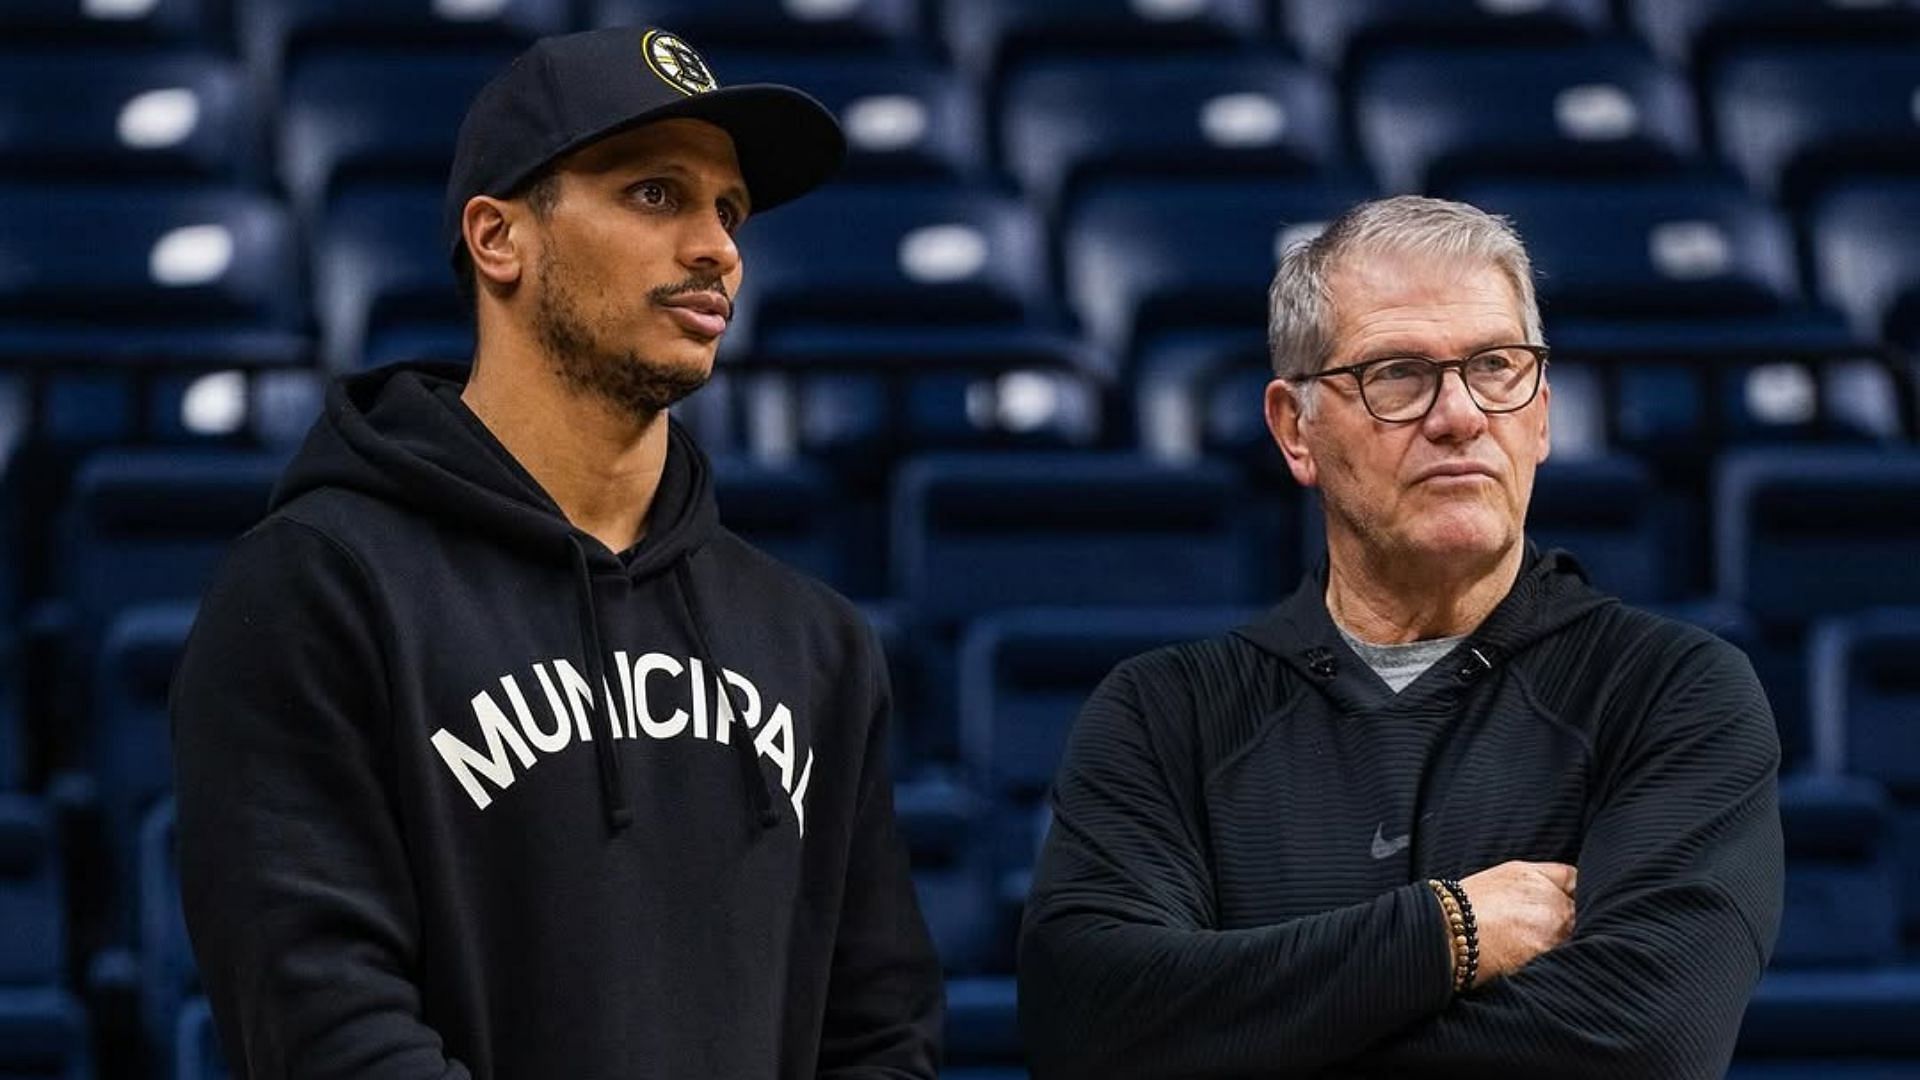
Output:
x,y
623,379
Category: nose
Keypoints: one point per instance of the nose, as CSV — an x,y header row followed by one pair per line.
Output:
x,y
1454,416
707,247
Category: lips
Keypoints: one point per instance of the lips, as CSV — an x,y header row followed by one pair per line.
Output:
x,y
702,313
1454,470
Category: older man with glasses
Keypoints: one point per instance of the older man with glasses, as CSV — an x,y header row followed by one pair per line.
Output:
x,y
1446,811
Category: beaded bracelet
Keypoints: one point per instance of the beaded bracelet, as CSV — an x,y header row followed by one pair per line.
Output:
x,y
1472,928
1456,934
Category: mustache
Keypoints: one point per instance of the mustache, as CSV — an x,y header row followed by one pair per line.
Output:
x,y
696,283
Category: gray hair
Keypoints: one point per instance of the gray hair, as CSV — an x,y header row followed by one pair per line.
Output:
x,y
1300,310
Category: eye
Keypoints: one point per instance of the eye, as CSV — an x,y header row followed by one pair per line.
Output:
x,y
1399,370
1491,362
651,193
729,216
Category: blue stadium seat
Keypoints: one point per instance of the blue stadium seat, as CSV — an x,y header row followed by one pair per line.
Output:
x,y
983,1032
1866,251
43,1030
1801,534
1793,118
1833,1068
978,533
798,26
1064,122
1864,689
1853,1014
1142,259
131,748
1841,898
37,23
1429,119
107,274
905,119
908,256
860,404
1204,393
1337,33
784,511
196,1045
938,816
374,117
169,976
164,114
276,36
150,527
988,37
1606,512
383,289
1023,677
1695,32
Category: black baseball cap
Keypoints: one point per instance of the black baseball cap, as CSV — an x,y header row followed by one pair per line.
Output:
x,y
565,92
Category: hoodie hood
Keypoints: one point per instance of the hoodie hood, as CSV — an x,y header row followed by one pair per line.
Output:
x,y
1550,592
403,435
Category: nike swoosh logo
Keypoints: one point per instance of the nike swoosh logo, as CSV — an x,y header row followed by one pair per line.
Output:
x,y
1384,848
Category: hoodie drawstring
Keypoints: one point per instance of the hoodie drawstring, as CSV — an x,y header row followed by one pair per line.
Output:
x,y
766,811
613,782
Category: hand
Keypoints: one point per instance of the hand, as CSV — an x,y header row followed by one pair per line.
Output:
x,y
1521,909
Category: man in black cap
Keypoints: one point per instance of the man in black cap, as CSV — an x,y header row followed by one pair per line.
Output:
x,y
497,756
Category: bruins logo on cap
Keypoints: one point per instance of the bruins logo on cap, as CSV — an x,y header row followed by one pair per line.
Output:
x,y
676,63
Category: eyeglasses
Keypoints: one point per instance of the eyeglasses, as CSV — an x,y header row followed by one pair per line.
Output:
x,y
1402,389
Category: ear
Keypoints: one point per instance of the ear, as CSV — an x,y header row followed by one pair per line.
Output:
x,y
496,238
1284,421
1546,421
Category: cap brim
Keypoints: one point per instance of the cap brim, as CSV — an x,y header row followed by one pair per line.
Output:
x,y
787,143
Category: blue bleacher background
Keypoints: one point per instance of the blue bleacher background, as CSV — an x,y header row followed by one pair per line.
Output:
x,y
1015,412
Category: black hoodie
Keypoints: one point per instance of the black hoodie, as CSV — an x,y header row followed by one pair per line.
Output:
x,y
1234,881
464,794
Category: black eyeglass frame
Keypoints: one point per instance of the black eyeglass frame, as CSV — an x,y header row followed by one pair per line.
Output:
x,y
1540,354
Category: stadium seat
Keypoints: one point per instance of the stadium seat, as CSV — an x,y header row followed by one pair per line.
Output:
x,y
383,288
1608,514
1141,259
907,256
1864,690
1695,32
983,1032
133,274
43,1030
1023,677
1204,393
1845,1013
197,1044
1337,34
276,36
1841,907
169,976
1792,119
1865,238
784,511
375,117
938,817
905,119
1427,120
1064,122
147,527
990,37
1801,533
64,23
978,533
165,114
796,26
131,746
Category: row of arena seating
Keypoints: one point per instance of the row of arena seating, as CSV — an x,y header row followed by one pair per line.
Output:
x,y
1781,118
980,36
